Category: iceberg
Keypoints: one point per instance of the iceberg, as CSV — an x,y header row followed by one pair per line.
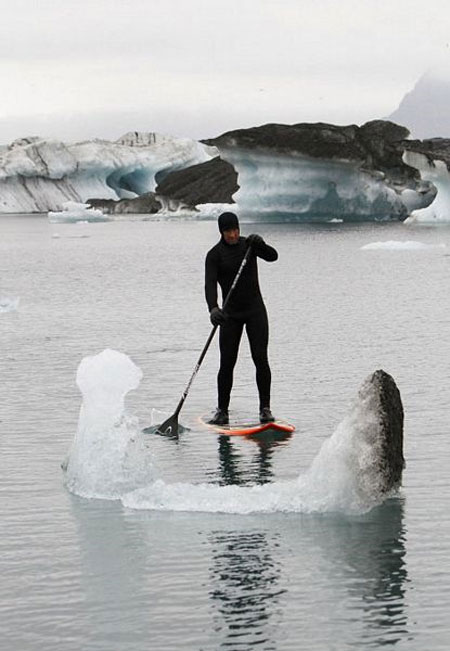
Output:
x,y
278,187
301,172
75,212
356,469
436,172
108,456
39,175
323,172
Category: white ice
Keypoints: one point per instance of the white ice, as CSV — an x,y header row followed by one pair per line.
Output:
x,y
344,477
38,175
437,173
73,211
400,245
109,458
9,304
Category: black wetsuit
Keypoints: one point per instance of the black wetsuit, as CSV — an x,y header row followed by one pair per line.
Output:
x,y
245,307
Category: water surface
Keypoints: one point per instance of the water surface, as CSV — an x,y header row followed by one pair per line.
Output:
x,y
90,574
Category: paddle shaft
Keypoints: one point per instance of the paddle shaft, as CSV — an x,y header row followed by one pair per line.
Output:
x,y
211,335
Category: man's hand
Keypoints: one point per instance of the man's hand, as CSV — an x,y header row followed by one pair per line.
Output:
x,y
217,316
255,240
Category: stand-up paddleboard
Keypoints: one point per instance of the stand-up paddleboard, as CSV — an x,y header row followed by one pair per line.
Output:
x,y
247,427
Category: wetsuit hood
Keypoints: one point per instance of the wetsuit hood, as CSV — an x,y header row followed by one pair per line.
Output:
x,y
227,221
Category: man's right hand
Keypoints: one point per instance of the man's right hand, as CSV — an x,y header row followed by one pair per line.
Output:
x,y
217,316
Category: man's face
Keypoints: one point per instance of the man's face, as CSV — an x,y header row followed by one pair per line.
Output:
x,y
231,236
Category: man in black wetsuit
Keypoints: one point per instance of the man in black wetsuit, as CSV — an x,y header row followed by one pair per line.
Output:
x,y
245,307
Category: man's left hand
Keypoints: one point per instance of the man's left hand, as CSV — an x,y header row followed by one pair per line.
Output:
x,y
255,240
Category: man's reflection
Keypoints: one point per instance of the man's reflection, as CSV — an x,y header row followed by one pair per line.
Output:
x,y
259,471
244,588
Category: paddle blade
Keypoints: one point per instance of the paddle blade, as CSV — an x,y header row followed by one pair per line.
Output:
x,y
169,427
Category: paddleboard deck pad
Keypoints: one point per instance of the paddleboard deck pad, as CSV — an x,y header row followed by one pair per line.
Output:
x,y
247,427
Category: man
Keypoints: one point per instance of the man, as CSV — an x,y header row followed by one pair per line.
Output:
x,y
245,308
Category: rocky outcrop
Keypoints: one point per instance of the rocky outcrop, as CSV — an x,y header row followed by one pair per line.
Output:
x,y
383,389
145,204
376,146
432,148
212,182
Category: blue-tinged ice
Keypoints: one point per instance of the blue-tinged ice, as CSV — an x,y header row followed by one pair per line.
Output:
x,y
9,303
295,187
38,175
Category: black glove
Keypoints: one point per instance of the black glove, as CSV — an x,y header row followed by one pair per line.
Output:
x,y
255,240
217,316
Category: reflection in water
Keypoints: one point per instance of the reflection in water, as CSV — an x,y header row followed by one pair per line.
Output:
x,y
245,589
369,554
230,461
384,594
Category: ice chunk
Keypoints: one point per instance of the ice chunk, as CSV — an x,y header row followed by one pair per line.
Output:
x,y
9,304
398,245
108,456
77,212
355,470
435,171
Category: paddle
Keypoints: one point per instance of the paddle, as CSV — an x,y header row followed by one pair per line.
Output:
x,y
170,426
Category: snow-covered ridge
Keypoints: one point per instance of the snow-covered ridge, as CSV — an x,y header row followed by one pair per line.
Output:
x,y
37,175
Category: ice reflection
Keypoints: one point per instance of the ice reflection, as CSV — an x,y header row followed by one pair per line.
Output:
x,y
368,553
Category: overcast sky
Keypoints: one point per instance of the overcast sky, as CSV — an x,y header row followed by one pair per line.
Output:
x,y
84,68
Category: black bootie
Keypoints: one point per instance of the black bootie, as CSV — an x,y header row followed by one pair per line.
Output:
x,y
220,417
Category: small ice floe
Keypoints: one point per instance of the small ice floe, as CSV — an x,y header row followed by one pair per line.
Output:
x,y
357,468
399,245
73,212
8,304
109,455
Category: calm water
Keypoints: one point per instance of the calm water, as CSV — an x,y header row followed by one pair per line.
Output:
x,y
90,574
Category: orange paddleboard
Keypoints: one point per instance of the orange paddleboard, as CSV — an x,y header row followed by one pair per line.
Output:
x,y
247,428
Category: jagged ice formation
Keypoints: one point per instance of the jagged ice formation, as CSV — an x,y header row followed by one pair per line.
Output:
x,y
37,175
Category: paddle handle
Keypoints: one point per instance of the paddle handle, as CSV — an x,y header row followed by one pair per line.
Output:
x,y
211,334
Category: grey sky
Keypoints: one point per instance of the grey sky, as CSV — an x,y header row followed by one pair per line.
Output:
x,y
84,68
